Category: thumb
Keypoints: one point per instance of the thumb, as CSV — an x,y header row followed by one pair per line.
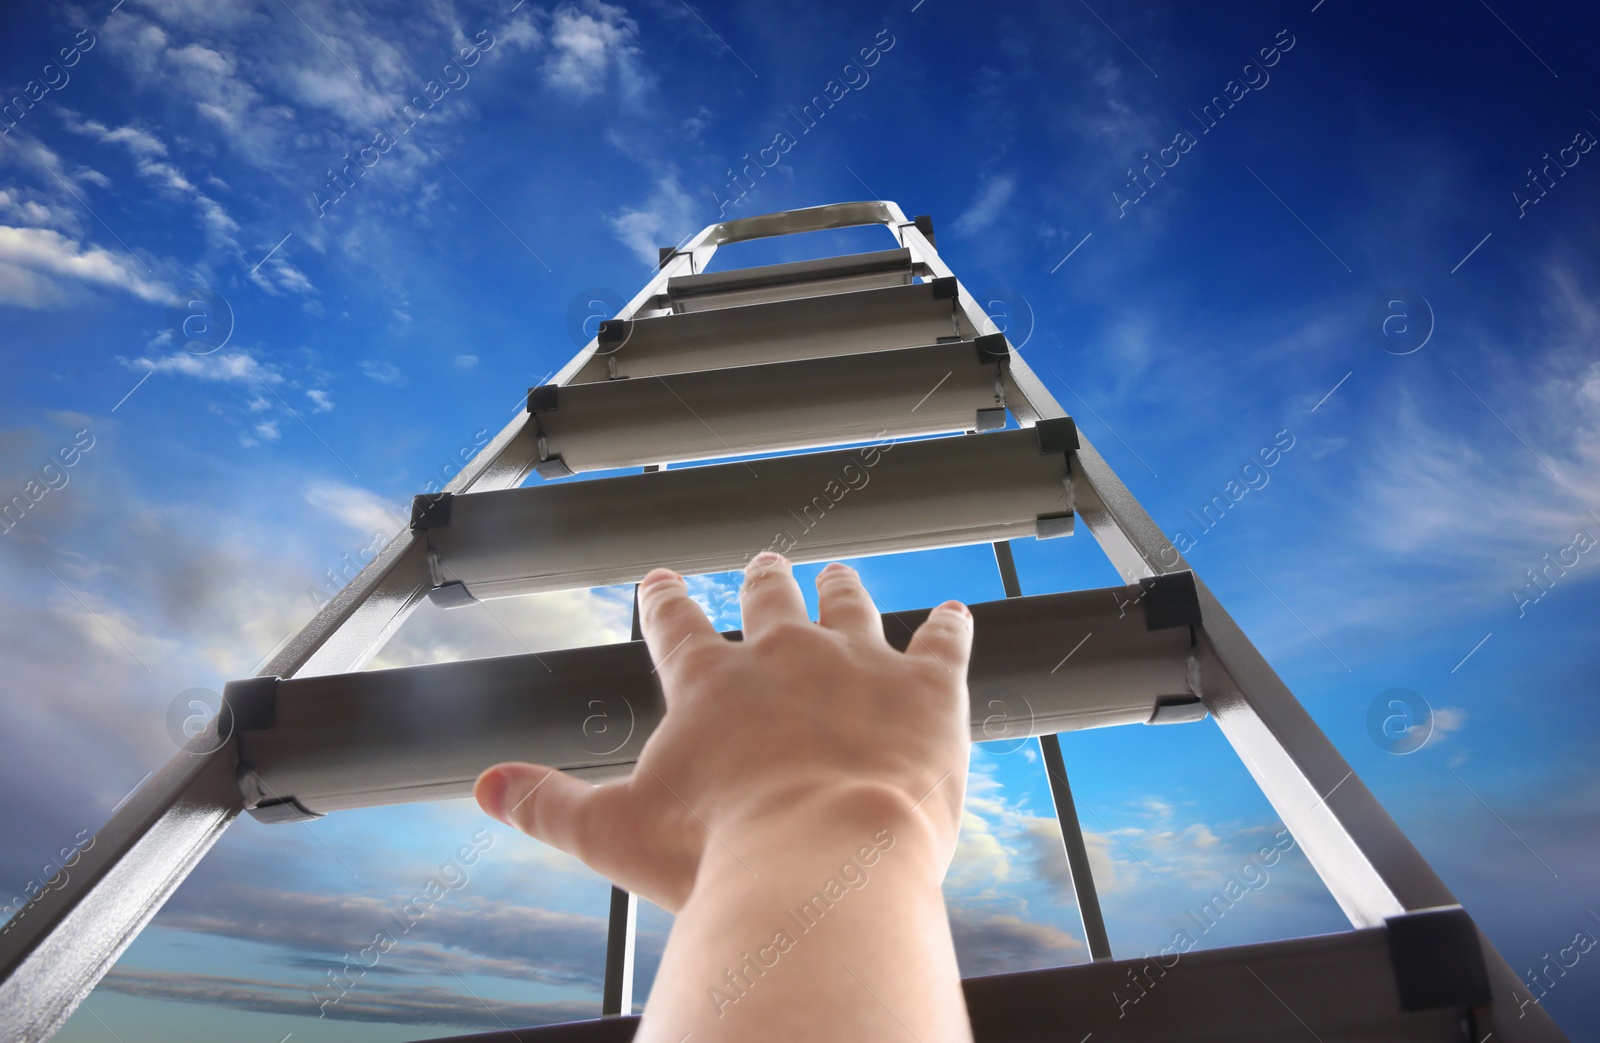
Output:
x,y
547,804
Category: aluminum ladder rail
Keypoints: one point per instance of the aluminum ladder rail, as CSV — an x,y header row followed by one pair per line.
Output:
x,y
868,330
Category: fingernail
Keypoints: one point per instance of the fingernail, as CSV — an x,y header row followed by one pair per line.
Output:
x,y
766,559
491,791
836,566
957,608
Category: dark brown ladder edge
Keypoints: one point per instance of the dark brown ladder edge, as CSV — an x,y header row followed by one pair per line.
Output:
x,y
1421,978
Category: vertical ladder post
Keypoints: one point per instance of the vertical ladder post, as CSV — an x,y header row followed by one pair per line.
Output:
x,y
617,999
1094,922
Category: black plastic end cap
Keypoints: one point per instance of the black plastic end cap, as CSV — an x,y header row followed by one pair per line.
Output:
x,y
431,511
543,399
1057,435
947,288
251,701
1438,960
283,809
553,467
990,419
992,347
452,595
663,255
613,331
1170,600
924,225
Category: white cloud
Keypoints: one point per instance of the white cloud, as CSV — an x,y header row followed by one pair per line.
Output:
x,y
586,44
320,401
987,208
382,372
137,141
663,219
219,226
235,367
1448,719
33,259
362,510
466,361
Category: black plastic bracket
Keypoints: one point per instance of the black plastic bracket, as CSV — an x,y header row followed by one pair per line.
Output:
x,y
543,399
991,419
1438,960
663,255
1178,709
992,347
553,467
1170,600
924,225
614,331
947,288
452,595
431,511
1057,435
251,701
283,809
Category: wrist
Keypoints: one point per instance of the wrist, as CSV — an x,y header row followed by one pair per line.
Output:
x,y
800,830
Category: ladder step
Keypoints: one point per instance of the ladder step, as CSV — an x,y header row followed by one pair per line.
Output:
x,y
1329,987
933,389
845,503
806,327
775,282
1040,665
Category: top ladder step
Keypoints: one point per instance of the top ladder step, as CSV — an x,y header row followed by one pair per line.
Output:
x,y
778,331
776,282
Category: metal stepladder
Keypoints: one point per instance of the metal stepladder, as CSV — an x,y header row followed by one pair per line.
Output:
x,y
864,351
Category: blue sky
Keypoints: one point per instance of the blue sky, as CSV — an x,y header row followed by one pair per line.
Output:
x,y
1373,153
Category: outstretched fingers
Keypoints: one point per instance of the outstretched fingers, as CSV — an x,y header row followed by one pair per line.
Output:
x,y
770,597
945,637
844,605
670,618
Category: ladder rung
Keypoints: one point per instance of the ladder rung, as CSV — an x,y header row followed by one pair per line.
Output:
x,y
778,331
934,389
775,282
1045,664
844,503
1327,987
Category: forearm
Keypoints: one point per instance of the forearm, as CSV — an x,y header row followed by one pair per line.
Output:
x,y
823,923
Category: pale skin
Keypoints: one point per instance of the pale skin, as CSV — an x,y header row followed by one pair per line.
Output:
x,y
781,760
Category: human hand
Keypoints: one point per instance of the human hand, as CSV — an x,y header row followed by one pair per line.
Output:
x,y
798,719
